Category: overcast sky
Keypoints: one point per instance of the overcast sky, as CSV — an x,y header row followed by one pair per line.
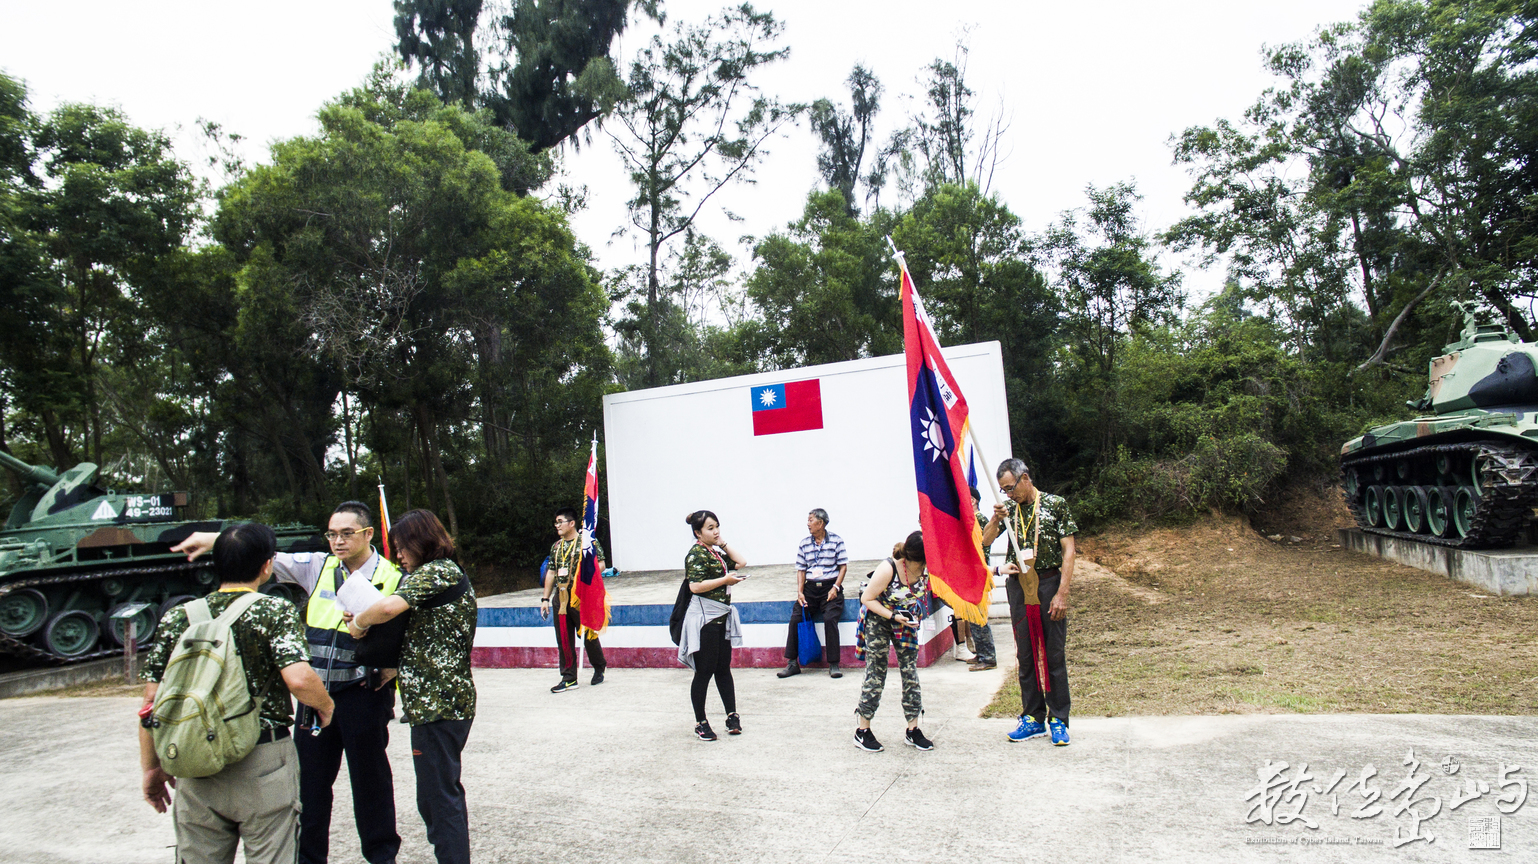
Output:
x,y
1092,90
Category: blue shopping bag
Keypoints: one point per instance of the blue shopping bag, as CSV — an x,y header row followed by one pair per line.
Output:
x,y
806,636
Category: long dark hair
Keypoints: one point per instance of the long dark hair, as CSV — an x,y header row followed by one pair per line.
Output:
x,y
420,533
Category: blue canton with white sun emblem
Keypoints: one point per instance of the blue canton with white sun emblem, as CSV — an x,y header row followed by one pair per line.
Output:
x,y
933,445
768,397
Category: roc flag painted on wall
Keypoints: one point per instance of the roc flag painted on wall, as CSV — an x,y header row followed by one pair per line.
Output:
x,y
587,591
794,406
938,420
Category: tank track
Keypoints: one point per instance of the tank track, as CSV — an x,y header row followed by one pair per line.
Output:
x,y
1508,490
20,648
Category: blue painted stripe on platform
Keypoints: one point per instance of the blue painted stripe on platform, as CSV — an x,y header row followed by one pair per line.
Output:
x,y
649,615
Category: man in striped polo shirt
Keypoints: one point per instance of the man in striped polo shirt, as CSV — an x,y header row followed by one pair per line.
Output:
x,y
820,565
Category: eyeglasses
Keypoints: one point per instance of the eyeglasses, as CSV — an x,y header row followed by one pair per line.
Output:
x,y
333,536
1008,490
560,522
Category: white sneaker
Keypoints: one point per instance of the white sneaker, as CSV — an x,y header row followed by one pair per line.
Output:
x,y
962,654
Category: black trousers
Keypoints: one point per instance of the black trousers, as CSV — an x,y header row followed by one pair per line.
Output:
x,y
822,603
1055,633
435,753
360,730
567,640
713,660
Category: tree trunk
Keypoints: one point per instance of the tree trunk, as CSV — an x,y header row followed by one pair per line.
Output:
x,y
428,424
352,456
58,441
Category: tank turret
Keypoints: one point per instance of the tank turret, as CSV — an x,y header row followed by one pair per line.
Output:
x,y
1463,472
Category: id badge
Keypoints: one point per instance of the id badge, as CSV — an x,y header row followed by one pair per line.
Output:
x,y
563,571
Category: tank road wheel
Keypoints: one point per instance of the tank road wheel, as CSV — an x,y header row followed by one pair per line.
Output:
x,y
70,634
1393,507
1416,504
288,591
1439,509
1372,506
1465,505
145,621
172,603
1474,477
23,612
1352,484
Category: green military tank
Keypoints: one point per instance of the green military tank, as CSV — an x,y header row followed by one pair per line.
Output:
x,y
1465,472
76,558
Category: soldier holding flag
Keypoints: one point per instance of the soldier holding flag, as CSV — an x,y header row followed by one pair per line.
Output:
x,y
582,604
565,562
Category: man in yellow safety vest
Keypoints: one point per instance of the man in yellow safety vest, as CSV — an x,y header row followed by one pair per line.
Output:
x,y
365,701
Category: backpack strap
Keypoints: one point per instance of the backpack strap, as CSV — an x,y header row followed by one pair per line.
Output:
x,y
447,595
238,608
198,611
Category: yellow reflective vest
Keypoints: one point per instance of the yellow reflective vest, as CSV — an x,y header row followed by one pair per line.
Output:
x,y
323,612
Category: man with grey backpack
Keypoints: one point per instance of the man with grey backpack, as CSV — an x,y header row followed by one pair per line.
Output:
x,y
216,716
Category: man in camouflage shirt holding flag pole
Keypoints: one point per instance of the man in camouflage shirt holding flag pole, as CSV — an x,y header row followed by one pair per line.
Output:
x,y
1044,526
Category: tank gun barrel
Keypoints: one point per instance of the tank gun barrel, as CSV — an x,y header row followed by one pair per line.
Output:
x,y
28,473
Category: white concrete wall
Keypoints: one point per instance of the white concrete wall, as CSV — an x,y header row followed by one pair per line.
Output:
x,y
672,450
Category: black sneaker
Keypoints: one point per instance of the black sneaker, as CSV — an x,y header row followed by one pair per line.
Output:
x,y
703,732
733,724
597,677
915,738
864,740
564,686
833,671
791,669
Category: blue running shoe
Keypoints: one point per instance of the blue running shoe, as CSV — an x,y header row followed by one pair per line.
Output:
x,y
1027,729
1059,732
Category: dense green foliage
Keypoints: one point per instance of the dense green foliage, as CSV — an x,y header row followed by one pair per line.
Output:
x,y
387,301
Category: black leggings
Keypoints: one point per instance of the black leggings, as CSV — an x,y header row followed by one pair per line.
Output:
x,y
713,659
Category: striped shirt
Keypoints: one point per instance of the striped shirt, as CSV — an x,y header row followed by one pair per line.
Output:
x,y
821,561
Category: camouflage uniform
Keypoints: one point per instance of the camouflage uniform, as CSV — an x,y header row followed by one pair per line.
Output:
x,y
268,637
254,801
879,633
435,677
702,565
1056,523
878,636
567,555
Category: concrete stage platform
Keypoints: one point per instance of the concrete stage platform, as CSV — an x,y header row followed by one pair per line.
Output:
x,y
511,634
1502,572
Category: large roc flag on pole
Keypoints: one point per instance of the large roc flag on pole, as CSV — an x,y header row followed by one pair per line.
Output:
x,y
587,591
938,421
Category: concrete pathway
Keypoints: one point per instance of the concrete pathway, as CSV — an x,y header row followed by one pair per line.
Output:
x,y
613,774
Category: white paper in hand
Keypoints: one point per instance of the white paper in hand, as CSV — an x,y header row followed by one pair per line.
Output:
x,y
357,594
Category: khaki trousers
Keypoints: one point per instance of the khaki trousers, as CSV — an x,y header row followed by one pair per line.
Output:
x,y
254,801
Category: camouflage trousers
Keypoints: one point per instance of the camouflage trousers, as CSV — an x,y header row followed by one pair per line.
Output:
x,y
878,638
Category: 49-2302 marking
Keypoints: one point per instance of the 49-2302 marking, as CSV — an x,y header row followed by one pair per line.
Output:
x,y
147,506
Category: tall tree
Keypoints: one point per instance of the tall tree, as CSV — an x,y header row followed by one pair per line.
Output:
x,y
692,125
542,68
90,204
1415,126
845,135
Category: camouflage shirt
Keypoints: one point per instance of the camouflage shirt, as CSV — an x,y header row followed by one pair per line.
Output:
x,y
702,565
268,637
1056,523
435,677
568,554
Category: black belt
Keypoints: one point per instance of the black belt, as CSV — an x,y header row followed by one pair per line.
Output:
x,y
270,735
